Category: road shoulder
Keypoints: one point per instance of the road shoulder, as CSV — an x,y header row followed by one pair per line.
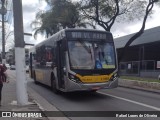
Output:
x,y
43,104
141,85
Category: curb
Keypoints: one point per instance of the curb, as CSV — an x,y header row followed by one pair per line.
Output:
x,y
140,85
44,105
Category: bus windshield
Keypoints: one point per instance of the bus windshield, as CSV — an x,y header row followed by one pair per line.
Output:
x,y
91,54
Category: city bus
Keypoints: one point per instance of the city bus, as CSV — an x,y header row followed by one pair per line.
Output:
x,y
75,60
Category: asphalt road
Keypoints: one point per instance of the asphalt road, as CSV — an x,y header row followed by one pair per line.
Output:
x,y
119,99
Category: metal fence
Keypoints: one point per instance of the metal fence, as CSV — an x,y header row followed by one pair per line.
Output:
x,y
135,67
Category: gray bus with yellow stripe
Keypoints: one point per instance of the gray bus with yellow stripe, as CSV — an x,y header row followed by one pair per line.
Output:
x,y
76,60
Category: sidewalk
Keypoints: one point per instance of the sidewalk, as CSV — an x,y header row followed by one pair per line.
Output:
x,y
141,85
9,102
36,102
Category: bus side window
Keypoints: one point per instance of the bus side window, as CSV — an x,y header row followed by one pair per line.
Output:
x,y
47,57
53,52
40,56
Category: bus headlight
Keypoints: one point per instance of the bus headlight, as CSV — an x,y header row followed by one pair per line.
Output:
x,y
74,78
114,77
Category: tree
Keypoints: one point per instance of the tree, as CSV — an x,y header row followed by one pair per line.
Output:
x,y
57,18
68,16
37,24
149,7
105,13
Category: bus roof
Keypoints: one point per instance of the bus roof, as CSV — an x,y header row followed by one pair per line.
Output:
x,y
62,33
85,29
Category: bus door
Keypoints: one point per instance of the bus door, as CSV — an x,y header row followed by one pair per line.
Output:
x,y
61,64
30,65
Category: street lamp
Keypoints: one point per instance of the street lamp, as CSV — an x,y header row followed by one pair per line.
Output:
x,y
3,11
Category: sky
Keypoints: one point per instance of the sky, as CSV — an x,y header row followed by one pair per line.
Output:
x,y
128,28
30,7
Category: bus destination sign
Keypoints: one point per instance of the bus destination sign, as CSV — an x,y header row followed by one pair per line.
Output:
x,y
89,35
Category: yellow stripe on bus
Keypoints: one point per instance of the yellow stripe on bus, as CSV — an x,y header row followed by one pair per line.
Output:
x,y
39,75
92,79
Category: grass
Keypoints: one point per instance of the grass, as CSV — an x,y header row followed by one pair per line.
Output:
x,y
140,79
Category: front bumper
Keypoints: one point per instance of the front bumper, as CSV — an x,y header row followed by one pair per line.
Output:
x,y
73,86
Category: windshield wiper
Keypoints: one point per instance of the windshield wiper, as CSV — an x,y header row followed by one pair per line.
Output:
x,y
88,49
85,46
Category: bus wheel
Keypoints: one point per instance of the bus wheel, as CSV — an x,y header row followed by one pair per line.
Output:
x,y
53,84
34,77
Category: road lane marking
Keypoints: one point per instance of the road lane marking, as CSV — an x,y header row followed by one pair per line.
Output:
x,y
128,100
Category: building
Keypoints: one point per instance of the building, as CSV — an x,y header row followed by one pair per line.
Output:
x,y
10,57
143,55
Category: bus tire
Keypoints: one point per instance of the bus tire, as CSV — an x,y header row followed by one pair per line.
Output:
x,y
34,77
53,84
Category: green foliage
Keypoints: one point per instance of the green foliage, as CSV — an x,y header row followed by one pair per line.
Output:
x,y
68,16
106,12
62,14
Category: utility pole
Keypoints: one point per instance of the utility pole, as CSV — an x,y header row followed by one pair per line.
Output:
x,y
21,83
3,11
